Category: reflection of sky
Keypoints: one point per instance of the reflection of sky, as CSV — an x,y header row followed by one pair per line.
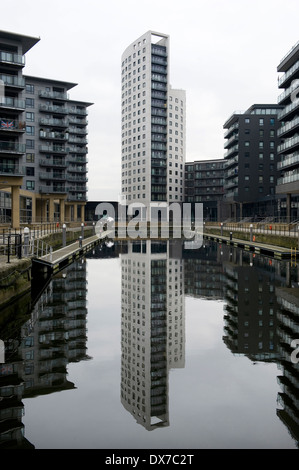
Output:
x,y
217,401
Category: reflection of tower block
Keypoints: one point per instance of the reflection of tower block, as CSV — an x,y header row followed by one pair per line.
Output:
x,y
145,332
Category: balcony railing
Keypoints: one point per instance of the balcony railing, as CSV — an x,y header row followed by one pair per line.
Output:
x,y
12,80
12,125
292,159
12,147
12,170
53,135
54,149
293,141
54,95
44,175
52,189
290,177
9,102
53,109
288,126
54,122
289,73
49,162
12,58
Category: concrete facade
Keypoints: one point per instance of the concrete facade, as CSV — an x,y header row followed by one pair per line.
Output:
x,y
153,125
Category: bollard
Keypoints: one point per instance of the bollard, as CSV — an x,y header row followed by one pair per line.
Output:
x,y
26,241
251,232
230,236
64,235
82,230
8,249
221,228
80,242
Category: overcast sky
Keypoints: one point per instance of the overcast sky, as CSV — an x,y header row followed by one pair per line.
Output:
x,y
224,53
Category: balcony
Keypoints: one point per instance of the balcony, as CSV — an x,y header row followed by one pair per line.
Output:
x,y
12,148
54,122
52,162
77,112
47,108
12,81
11,170
78,122
289,143
13,103
289,177
287,75
290,160
76,159
231,151
11,58
79,197
54,95
78,149
77,179
45,175
288,127
78,140
52,149
53,135
12,125
289,110
232,139
52,189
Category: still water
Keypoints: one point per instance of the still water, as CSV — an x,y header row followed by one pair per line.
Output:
x,y
148,346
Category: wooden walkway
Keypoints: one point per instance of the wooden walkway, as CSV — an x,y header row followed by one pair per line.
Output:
x,y
59,259
273,251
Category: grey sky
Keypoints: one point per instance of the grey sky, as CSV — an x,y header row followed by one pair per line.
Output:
x,y
223,53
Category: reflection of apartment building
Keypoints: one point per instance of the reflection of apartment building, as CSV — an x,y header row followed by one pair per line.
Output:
x,y
287,331
203,272
251,306
153,124
43,146
153,333
38,355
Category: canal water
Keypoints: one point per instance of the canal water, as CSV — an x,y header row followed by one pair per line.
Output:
x,y
145,345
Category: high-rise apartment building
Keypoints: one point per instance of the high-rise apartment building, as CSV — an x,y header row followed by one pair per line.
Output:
x,y
153,125
251,162
43,146
288,149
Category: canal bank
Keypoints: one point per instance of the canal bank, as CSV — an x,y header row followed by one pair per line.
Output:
x,y
16,274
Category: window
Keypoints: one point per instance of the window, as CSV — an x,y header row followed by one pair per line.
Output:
x,y
29,103
247,120
29,88
29,116
261,121
29,144
29,171
30,130
30,157
30,185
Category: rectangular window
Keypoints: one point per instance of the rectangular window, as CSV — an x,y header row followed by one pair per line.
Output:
x,y
29,88
29,103
30,130
30,185
29,171
261,121
30,157
29,144
30,117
